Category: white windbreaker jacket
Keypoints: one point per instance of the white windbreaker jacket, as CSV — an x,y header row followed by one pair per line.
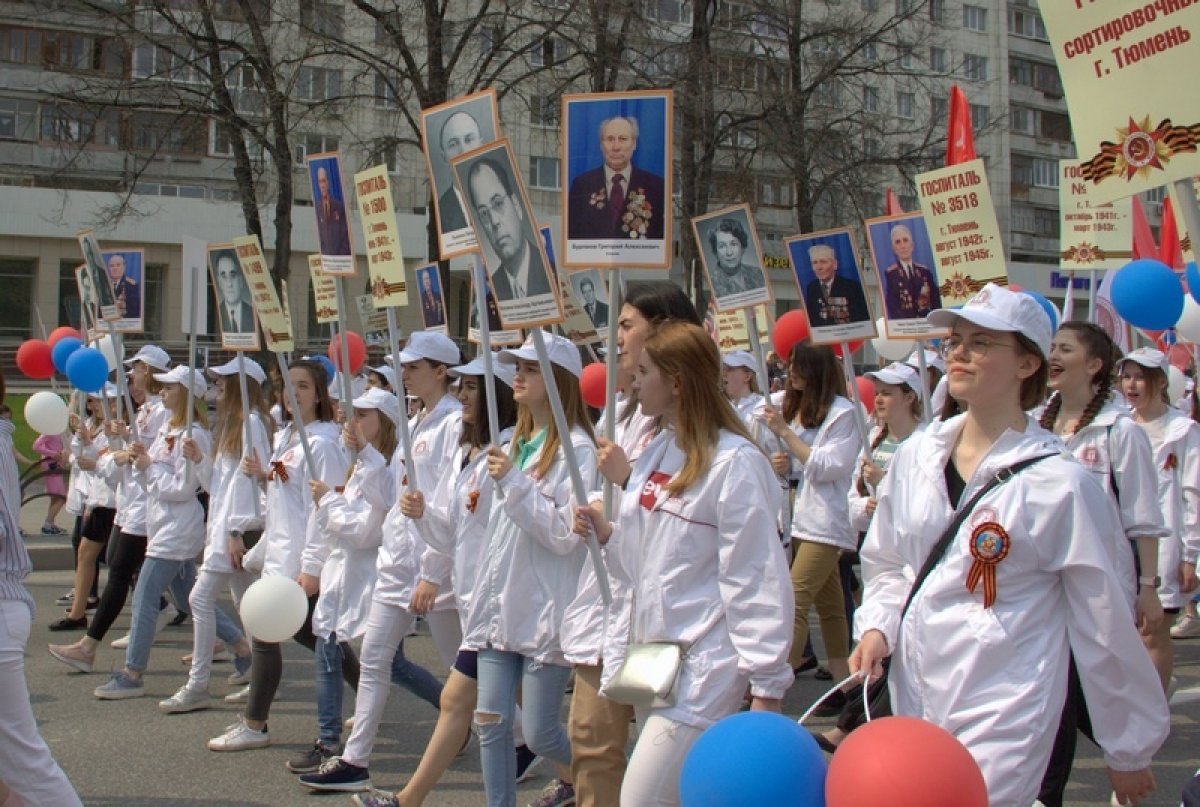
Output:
x,y
822,513
531,562
707,570
131,496
231,497
352,523
291,540
1177,461
996,677
405,558
97,492
174,516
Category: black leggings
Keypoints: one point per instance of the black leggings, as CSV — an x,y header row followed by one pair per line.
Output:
x,y
125,555
76,537
267,668
1075,719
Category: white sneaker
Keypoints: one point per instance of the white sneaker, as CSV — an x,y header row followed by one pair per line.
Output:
x,y
241,696
240,738
1188,627
185,700
120,644
221,653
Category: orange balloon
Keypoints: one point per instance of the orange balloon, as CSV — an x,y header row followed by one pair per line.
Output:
x,y
592,385
903,762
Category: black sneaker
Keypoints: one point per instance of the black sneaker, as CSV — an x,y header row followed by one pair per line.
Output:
x,y
831,706
66,623
312,759
179,618
338,776
66,599
527,764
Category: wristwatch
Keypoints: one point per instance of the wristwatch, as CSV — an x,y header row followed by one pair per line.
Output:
x,y
1152,582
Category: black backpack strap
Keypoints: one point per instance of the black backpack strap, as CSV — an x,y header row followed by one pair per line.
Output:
x,y
939,549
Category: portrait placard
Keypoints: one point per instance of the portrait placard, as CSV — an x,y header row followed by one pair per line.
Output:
x,y
828,272
732,258
236,317
333,220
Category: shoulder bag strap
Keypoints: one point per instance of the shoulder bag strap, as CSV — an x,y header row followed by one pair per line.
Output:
x,y
939,549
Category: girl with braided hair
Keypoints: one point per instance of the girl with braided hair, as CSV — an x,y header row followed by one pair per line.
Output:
x,y
1102,436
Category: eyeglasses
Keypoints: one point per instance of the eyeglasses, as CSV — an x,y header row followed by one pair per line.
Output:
x,y
493,208
976,346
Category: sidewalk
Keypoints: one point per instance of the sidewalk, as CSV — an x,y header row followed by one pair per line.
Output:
x,y
48,552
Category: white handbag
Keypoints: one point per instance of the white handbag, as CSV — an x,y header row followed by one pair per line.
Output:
x,y
647,676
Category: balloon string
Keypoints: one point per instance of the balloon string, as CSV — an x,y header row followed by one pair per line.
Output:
x,y
831,690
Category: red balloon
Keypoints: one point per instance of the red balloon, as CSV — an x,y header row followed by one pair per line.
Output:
x,y
355,347
866,392
854,346
790,329
903,762
33,359
61,332
592,385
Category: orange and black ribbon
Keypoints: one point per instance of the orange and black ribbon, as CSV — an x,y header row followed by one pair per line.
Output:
x,y
279,471
989,545
170,438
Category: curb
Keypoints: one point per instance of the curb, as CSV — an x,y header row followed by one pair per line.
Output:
x,y
50,557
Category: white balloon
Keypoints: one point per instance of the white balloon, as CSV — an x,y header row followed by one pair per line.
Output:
x,y
274,608
891,349
1189,321
105,345
46,413
1176,384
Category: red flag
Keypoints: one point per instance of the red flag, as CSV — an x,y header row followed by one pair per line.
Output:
x,y
960,141
891,205
1143,239
1170,251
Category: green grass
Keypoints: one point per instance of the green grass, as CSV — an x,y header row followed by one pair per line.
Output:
x,y
24,436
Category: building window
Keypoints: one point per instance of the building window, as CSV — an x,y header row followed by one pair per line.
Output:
x,y
975,67
1021,119
974,18
318,84
16,277
1045,222
221,138
870,52
543,173
937,10
939,61
871,99
547,52
1039,75
1026,22
385,93
827,93
18,119
1022,218
1054,126
981,116
869,5
313,144
1042,173
165,133
905,55
670,10
904,7
774,192
939,108
323,19
544,110
905,105
176,63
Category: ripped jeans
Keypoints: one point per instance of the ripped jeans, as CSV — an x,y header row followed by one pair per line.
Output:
x,y
542,688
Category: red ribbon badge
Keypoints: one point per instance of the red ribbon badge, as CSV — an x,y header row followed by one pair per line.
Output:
x,y
989,545
1172,462
472,501
170,440
278,470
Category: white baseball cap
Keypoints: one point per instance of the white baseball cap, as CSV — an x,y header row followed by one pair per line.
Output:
x,y
181,374
739,358
388,374
1148,357
376,398
504,372
110,391
430,345
932,359
559,349
999,309
253,369
153,355
897,373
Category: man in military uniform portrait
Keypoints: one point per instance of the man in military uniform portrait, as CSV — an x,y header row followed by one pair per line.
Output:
x,y
126,286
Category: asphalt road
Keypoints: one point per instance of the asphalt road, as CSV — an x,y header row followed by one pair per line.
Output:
x,y
127,754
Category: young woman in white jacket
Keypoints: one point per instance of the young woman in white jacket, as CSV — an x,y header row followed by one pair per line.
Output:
x,y
290,538
816,425
983,650
1175,446
174,524
696,542
235,518
528,576
457,513
352,520
412,578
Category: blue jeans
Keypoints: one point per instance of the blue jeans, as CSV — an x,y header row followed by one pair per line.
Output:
x,y
330,652
157,576
542,687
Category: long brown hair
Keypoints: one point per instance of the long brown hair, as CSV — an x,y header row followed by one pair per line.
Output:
x,y
321,381
658,302
478,433
1097,344
227,437
686,354
823,379
573,407
1033,388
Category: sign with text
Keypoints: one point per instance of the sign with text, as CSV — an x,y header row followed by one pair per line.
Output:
x,y
324,289
385,261
271,317
1121,64
1093,236
957,206
374,320
732,332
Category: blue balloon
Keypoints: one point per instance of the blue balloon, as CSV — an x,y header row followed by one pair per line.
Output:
x,y
1193,279
754,758
1047,306
87,369
62,351
324,361
1147,294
